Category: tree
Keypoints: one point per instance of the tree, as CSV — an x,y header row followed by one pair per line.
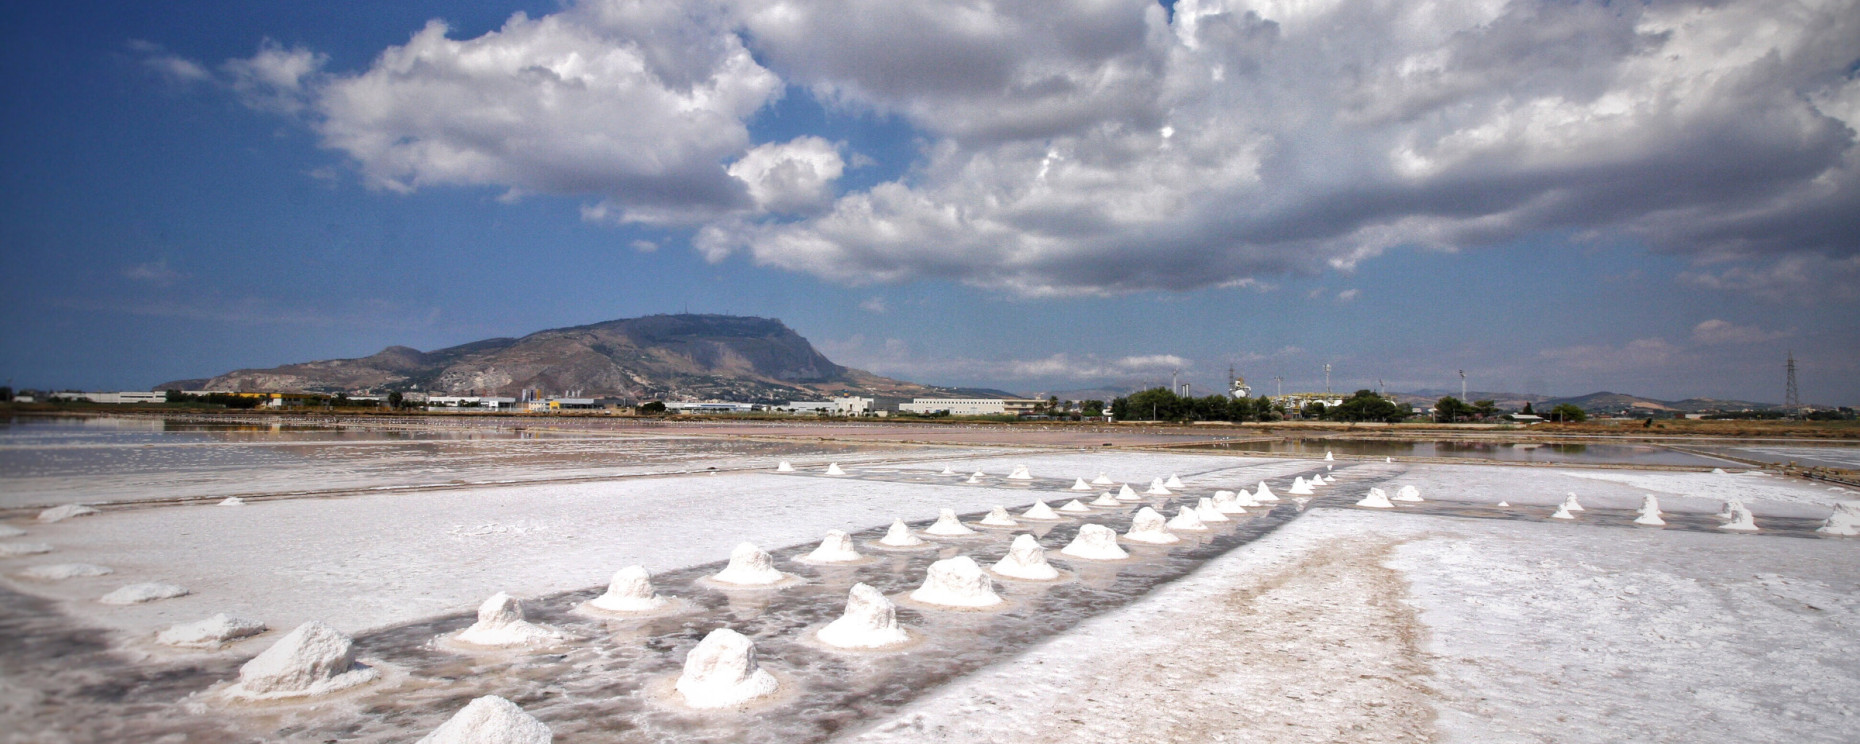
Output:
x,y
1451,409
1092,408
174,396
1527,409
654,407
1313,410
1366,405
1485,408
394,399
1568,412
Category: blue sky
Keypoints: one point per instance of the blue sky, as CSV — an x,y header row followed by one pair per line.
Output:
x,y
1556,197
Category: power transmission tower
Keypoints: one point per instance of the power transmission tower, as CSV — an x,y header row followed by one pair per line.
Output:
x,y
1792,398
1462,384
1327,379
1281,381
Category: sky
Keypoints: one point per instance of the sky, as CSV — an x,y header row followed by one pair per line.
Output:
x,y
1658,198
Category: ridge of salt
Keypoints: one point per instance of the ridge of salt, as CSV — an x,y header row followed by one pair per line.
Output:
x,y
1186,520
1570,503
1040,510
1562,512
1301,487
1106,499
1095,542
313,659
1649,512
1265,495
833,468
143,593
1026,560
1102,480
784,467
947,471
1074,507
1080,485
1408,493
1020,473
1504,503
1157,488
1741,520
1173,482
1328,456
1844,521
67,511
211,632
62,571
1207,512
501,625
1126,494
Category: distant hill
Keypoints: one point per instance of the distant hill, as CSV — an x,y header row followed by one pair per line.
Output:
x,y
1593,402
659,356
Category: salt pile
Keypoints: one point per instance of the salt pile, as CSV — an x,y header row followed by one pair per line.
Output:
x,y
7,530
870,621
1186,520
1102,480
1729,508
1562,512
957,582
314,659
1148,527
836,547
998,517
1649,512
948,526
1074,507
1206,512
749,566
1095,542
630,591
1106,499
833,468
1173,482
1300,487
1227,502
1328,457
62,571
1026,560
1377,499
232,501
490,720
1408,493
211,632
1040,510
501,625
1570,503
1158,489
1741,520
1020,473
784,467
10,550
141,593
1080,485
1125,493
976,478
1265,495
722,672
1242,498
62,513
1504,503
899,536
1844,522
947,471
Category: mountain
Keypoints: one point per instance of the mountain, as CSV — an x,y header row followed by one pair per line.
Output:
x,y
1602,402
658,356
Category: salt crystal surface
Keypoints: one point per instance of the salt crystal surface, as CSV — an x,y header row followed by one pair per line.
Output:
x,y
1265,495
62,571
211,632
749,566
957,582
870,621
899,536
13,549
1158,489
490,720
1126,494
1570,503
1300,487
1102,480
1206,512
7,530
1148,527
1649,512
1186,520
630,591
313,659
62,513
1075,507
1040,510
1080,485
1408,493
1095,542
141,593
1020,473
784,467
232,501
501,625
836,547
722,672
833,468
947,525
998,517
1741,520
1026,560
1106,499
1377,499
1844,522
1173,482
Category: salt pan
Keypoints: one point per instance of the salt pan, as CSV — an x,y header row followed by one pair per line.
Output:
x,y
948,526
1106,499
722,672
1649,512
870,621
142,593
1408,493
899,536
1148,527
490,720
211,632
630,591
749,566
1095,542
836,547
998,517
62,571
314,659
1206,512
1026,560
1040,511
62,513
1377,499
1844,522
1075,507
501,625
957,582
1080,485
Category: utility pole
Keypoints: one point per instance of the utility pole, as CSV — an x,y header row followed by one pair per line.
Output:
x,y
1462,384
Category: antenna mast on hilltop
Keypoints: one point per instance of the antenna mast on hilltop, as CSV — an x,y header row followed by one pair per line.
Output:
x,y
1792,398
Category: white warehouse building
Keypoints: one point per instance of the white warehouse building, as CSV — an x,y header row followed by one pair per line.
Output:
x,y
956,406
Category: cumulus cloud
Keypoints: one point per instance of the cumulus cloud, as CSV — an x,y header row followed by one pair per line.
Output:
x,y
896,357
790,176
276,79
175,68
1800,278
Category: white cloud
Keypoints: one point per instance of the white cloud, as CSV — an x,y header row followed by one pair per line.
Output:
x,y
1347,295
644,246
154,272
1717,331
1798,278
874,305
899,358
792,176
276,79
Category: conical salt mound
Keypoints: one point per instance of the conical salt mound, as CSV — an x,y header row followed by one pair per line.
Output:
x,y
1020,473
314,659
1040,510
1377,499
1562,512
834,469
998,517
870,621
1173,482
630,591
722,672
1388,459
749,566
1102,480
501,625
490,720
1300,487
976,478
977,475
1570,503
1242,498
1075,507
899,536
836,547
1148,527
957,582
1408,493
1741,520
1649,512
1844,522
1106,499
1265,495
1186,520
1124,493
1328,456
1730,507
947,471
1080,485
1504,503
1228,502
784,467
1206,512
948,526
1095,542
1158,489
1026,560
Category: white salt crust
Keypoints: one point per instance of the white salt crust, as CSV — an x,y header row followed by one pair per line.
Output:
x,y
749,566
212,632
313,659
899,536
630,590
948,526
722,672
957,582
870,622
1026,560
501,625
1095,542
490,720
1377,499
1148,527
